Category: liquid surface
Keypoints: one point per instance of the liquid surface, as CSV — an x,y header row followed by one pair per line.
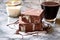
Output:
x,y
50,4
51,9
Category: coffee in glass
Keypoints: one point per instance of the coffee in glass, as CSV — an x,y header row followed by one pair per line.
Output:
x,y
50,9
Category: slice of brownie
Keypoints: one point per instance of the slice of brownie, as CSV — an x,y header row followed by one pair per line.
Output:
x,y
31,20
32,16
28,27
38,27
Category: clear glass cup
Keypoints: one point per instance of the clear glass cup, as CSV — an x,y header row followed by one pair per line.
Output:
x,y
51,8
13,8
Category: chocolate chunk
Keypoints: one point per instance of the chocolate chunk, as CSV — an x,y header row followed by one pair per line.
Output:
x,y
25,19
31,20
35,19
38,27
28,27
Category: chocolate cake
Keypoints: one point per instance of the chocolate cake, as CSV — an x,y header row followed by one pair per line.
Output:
x,y
38,27
31,20
32,16
25,19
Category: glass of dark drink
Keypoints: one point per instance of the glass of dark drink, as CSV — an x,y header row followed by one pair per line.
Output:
x,y
50,10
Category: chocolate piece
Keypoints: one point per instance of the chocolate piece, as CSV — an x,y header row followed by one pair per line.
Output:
x,y
25,19
31,20
28,27
33,15
35,19
38,27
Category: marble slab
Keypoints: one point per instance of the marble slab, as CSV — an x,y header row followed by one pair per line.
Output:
x,y
7,33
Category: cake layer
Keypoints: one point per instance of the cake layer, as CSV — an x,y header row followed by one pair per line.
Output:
x,y
31,20
30,27
38,27
26,27
32,12
32,16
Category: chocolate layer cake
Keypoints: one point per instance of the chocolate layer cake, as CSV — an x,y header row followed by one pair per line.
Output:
x,y
25,19
30,27
38,27
31,20
32,16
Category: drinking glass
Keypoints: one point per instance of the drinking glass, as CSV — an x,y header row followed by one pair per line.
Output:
x,y
13,8
50,8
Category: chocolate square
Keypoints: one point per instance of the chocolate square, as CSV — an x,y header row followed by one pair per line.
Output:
x,y
35,19
29,28
33,15
30,18
38,27
25,19
26,27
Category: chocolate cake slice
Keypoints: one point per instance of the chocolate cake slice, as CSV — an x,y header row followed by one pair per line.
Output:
x,y
31,20
32,16
25,19
28,27
25,27
38,27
